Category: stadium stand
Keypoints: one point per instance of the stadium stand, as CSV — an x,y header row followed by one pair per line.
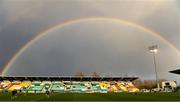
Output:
x,y
36,87
57,86
15,85
68,84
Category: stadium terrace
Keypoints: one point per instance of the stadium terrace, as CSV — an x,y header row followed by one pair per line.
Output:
x,y
68,84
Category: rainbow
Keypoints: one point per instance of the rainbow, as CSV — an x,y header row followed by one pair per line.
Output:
x,y
44,33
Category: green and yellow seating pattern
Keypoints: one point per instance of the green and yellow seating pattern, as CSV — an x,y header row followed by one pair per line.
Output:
x,y
74,87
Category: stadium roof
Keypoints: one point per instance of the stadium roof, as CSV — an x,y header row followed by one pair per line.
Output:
x,y
69,78
175,71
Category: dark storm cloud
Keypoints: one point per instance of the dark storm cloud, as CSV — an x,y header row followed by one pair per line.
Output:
x,y
105,46
18,24
166,22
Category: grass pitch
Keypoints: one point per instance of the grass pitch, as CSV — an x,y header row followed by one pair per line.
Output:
x,y
93,97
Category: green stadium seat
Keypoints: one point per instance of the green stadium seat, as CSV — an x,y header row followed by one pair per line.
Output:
x,y
57,87
36,87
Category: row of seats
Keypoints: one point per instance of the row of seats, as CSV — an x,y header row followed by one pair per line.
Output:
x,y
68,86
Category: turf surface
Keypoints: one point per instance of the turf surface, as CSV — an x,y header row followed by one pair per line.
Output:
x,y
93,97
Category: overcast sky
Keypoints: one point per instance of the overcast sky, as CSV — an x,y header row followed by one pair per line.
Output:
x,y
103,45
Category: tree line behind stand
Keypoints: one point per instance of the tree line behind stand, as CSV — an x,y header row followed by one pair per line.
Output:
x,y
139,83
